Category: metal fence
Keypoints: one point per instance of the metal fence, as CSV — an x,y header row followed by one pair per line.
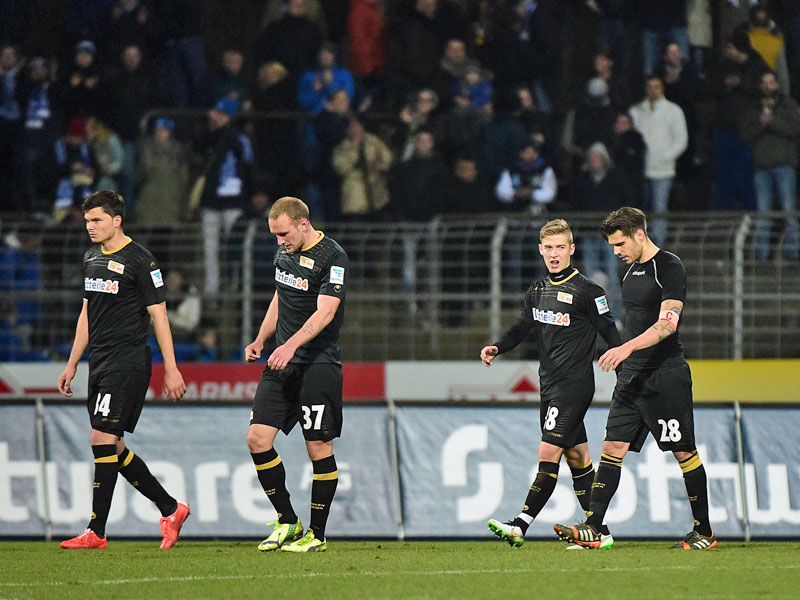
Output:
x,y
438,290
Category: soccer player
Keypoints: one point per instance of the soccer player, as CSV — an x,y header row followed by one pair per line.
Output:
x,y
123,291
303,377
654,385
566,312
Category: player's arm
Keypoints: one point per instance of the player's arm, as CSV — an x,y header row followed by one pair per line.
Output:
x,y
174,387
319,320
601,317
78,348
667,324
509,340
268,325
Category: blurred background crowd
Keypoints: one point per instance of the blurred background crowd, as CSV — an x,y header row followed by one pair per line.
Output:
x,y
385,110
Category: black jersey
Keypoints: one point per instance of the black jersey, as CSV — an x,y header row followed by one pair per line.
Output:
x,y
119,286
644,287
565,316
320,269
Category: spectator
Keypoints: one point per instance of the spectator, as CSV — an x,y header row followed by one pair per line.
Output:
x,y
362,160
413,116
471,98
700,26
367,58
78,170
41,147
182,55
163,177
618,88
108,154
209,345
262,247
10,116
293,40
529,184
739,53
133,89
768,41
628,152
787,15
11,340
770,124
81,90
600,187
474,89
229,162
502,135
229,79
680,78
128,24
184,306
318,85
733,161
662,23
416,39
466,190
616,31
20,280
663,127
417,184
454,64
594,119
330,128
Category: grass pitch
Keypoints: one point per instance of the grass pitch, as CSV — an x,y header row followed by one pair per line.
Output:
x,y
403,570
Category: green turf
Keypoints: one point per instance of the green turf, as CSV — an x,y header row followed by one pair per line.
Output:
x,y
406,570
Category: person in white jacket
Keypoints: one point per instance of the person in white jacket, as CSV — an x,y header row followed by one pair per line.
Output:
x,y
663,127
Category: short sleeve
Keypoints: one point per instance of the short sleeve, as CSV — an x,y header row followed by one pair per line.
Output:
x,y
150,281
672,277
334,277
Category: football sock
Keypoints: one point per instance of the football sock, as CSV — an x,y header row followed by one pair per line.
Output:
x,y
326,478
605,484
582,478
694,476
540,492
272,476
134,469
105,477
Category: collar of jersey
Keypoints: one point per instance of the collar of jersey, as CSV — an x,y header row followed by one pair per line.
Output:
x,y
118,249
565,280
319,239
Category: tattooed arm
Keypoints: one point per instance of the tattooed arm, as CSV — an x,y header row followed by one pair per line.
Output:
x,y
666,325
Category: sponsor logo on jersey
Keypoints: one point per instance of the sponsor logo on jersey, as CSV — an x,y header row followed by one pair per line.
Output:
x,y
337,275
564,297
158,280
306,262
637,272
116,267
549,317
602,305
106,286
291,280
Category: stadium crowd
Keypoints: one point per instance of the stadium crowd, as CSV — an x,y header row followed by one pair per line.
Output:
x,y
387,110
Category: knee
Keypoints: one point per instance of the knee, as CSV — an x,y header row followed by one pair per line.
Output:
x,y
616,449
257,442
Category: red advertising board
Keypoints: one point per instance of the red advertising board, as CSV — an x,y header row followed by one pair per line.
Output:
x,y
235,381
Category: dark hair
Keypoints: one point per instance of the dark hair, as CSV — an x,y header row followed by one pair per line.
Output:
x,y
109,200
626,219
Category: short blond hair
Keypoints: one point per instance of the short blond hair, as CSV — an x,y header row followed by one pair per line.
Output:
x,y
294,208
556,227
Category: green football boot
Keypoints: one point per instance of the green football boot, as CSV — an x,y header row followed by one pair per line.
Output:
x,y
508,532
308,543
282,534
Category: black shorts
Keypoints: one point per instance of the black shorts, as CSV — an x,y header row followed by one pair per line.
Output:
x,y
655,400
562,410
116,399
308,393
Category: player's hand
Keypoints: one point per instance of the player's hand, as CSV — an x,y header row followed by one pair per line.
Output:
x,y
253,351
64,380
613,358
174,387
487,355
280,358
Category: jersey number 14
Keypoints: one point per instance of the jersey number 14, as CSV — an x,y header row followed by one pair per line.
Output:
x,y
103,404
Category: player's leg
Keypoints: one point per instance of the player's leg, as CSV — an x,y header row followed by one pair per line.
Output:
x,y
671,421
105,406
321,420
580,464
541,489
